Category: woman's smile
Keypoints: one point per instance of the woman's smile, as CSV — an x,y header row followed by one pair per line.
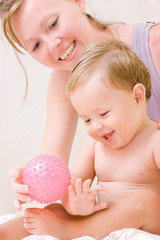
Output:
x,y
52,36
68,52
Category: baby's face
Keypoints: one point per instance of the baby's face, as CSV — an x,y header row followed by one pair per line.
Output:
x,y
109,113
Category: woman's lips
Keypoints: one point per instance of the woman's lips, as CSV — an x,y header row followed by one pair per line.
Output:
x,y
68,52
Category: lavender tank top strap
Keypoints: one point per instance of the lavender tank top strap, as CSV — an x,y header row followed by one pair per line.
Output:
x,y
141,47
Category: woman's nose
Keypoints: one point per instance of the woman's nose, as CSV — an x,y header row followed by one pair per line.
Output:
x,y
53,43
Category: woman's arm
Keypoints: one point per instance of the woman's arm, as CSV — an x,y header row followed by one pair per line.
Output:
x,y
59,134
61,118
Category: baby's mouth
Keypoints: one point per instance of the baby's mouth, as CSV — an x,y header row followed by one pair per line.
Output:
x,y
68,52
108,135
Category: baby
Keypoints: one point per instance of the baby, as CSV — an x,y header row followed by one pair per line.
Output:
x,y
109,88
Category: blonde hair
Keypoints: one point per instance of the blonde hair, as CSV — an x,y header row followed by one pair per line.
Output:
x,y
9,7
114,60
7,10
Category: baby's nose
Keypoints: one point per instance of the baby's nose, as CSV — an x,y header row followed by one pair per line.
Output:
x,y
96,126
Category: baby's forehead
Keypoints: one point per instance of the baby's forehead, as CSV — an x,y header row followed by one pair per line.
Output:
x,y
99,77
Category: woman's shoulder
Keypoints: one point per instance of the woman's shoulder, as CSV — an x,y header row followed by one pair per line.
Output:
x,y
154,37
154,45
124,32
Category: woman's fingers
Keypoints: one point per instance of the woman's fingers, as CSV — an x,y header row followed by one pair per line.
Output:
x,y
21,191
17,205
23,198
15,172
20,188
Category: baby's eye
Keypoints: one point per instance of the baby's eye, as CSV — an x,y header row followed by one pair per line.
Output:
x,y
104,114
36,46
87,121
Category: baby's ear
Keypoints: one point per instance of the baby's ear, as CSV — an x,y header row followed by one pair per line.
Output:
x,y
139,94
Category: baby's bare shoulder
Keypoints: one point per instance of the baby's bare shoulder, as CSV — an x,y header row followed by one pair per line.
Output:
x,y
155,141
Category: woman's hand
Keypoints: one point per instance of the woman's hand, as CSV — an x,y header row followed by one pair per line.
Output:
x,y
82,199
21,190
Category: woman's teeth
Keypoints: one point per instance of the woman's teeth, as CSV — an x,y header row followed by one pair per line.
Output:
x,y
68,52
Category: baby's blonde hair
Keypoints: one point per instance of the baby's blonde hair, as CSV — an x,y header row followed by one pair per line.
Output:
x,y
115,61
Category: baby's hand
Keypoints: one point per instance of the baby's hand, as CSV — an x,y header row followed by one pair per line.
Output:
x,y
82,199
21,190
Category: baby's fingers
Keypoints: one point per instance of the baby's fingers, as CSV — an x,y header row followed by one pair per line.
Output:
x,y
87,185
96,189
78,186
99,188
71,191
100,206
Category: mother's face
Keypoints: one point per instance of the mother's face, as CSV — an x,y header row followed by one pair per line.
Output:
x,y
54,32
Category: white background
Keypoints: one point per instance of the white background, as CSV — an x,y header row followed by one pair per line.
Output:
x,y
22,125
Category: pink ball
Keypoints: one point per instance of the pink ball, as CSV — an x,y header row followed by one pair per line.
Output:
x,y
47,177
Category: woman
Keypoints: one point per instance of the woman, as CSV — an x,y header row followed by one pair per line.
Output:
x,y
54,32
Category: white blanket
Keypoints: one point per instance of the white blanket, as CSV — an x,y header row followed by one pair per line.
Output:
x,y
124,234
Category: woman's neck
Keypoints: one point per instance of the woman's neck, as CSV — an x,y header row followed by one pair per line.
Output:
x,y
120,31
123,32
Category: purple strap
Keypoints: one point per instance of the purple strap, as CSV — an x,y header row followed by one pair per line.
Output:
x,y
141,47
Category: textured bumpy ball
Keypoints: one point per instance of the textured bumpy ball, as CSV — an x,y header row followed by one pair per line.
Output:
x,y
47,177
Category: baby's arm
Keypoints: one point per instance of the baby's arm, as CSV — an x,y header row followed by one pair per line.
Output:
x,y
82,199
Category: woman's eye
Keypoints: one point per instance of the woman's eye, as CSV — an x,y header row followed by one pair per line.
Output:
x,y
103,114
52,25
36,46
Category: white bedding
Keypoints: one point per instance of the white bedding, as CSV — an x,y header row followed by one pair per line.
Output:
x,y
124,234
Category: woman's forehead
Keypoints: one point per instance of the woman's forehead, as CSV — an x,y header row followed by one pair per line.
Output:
x,y
29,15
